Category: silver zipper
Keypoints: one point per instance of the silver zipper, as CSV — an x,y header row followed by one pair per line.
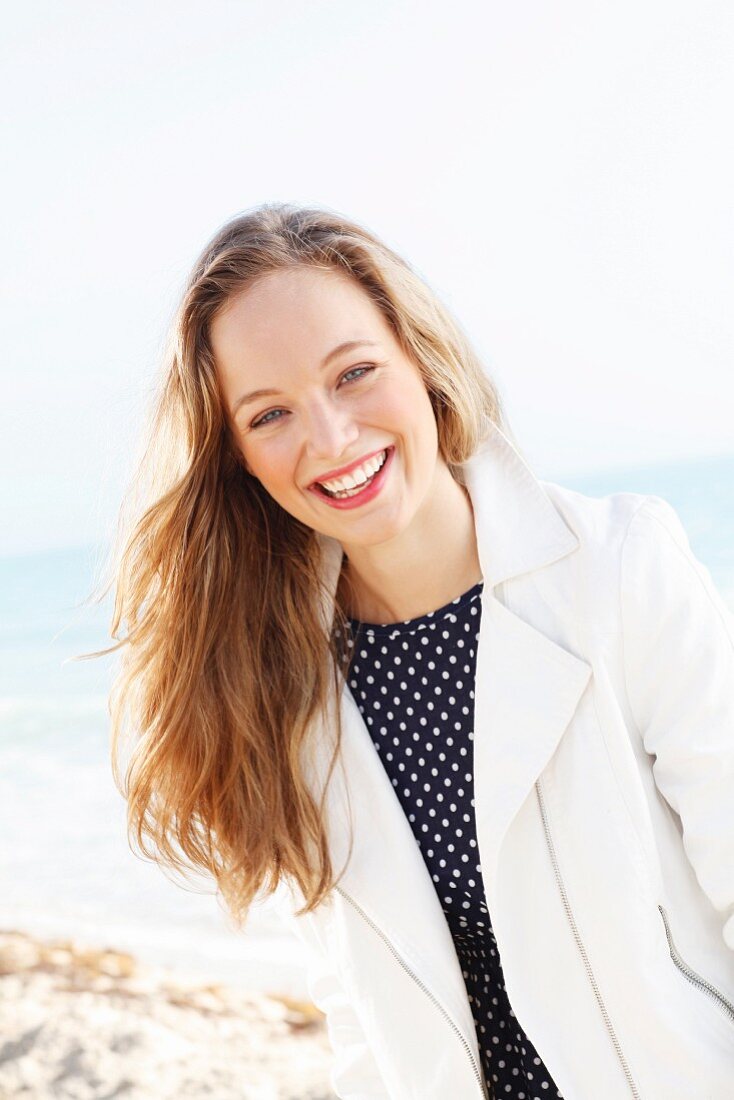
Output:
x,y
693,977
582,949
406,968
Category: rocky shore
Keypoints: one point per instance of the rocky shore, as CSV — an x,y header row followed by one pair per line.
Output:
x,y
86,1024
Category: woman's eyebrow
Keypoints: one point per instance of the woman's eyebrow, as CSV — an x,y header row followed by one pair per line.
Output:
x,y
348,345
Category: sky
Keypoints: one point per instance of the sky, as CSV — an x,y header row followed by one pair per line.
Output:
x,y
560,174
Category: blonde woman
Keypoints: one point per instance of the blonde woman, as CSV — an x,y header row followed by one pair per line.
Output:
x,y
472,730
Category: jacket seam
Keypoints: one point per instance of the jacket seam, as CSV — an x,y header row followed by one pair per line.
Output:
x,y
619,633
622,639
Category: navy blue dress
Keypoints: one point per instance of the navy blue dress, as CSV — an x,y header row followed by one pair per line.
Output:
x,y
414,685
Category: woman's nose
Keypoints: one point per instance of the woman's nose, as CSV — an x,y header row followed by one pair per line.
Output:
x,y
329,431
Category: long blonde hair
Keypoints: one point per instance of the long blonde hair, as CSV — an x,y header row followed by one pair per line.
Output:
x,y
226,661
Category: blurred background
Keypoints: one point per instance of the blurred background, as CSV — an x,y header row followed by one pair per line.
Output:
x,y
561,175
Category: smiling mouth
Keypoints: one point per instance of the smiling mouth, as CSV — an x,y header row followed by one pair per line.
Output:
x,y
343,494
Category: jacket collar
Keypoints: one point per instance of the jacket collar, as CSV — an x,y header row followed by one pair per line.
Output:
x,y
527,688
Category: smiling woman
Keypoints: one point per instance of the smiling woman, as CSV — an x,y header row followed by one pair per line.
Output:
x,y
317,394
335,554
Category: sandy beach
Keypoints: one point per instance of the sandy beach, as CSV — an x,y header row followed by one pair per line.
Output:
x,y
78,1023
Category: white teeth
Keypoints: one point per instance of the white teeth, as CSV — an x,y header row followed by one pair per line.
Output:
x,y
356,477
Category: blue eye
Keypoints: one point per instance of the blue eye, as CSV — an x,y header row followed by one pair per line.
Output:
x,y
353,369
264,418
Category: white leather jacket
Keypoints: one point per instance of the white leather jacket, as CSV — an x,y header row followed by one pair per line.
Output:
x,y
604,796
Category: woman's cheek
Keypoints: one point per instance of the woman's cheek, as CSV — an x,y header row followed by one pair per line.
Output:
x,y
277,461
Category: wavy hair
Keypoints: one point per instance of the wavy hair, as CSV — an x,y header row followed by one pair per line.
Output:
x,y
226,659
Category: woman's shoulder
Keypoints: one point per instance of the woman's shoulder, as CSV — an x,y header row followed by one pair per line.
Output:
x,y
607,527
602,522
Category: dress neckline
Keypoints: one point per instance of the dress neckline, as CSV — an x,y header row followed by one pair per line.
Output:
x,y
421,622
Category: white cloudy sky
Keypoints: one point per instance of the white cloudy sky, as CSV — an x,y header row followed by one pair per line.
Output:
x,y
560,173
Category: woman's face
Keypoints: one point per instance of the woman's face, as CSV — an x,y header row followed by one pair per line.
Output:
x,y
343,390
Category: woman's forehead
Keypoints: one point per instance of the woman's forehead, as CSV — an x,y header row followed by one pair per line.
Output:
x,y
293,316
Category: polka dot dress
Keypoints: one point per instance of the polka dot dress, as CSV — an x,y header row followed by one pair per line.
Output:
x,y
414,685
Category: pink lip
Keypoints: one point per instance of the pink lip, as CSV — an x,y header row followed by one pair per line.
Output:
x,y
365,495
347,469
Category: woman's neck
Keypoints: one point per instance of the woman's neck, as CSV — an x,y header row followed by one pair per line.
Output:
x,y
426,566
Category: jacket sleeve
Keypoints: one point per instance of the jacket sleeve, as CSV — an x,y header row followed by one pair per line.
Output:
x,y
678,639
354,1074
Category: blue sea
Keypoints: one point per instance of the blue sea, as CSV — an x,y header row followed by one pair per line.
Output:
x,y
65,865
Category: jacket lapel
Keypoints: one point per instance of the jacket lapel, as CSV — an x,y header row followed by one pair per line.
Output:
x,y
527,685
527,688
